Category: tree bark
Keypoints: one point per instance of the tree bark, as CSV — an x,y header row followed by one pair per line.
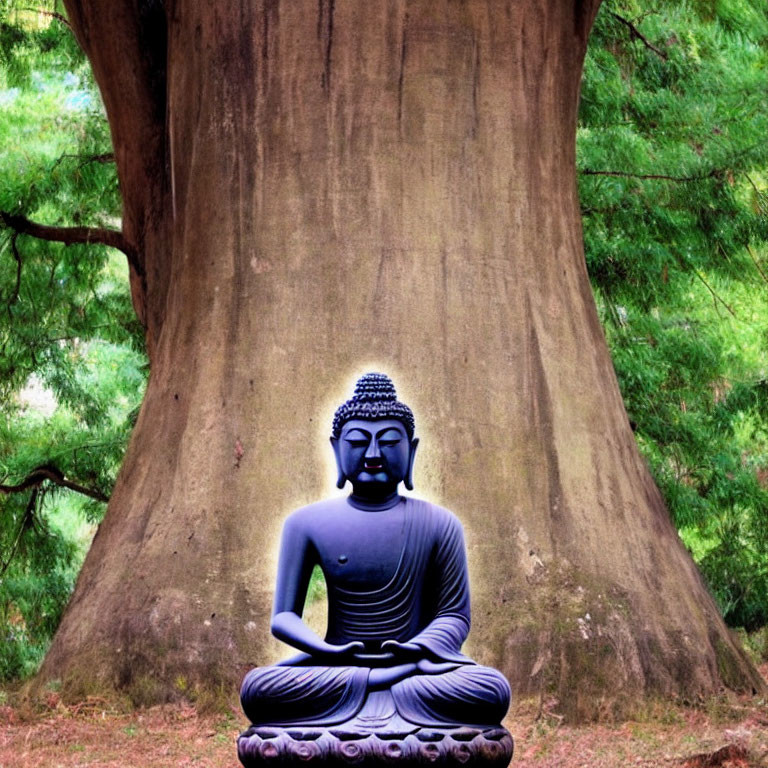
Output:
x,y
337,187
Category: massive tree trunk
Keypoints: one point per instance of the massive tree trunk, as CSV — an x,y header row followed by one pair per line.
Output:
x,y
317,189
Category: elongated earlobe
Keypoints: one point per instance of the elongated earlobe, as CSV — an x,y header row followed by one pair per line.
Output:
x,y
408,479
341,478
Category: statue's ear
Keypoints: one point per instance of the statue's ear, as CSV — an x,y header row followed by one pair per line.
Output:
x,y
408,479
341,479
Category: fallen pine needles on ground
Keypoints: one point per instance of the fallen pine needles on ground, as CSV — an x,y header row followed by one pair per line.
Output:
x,y
96,733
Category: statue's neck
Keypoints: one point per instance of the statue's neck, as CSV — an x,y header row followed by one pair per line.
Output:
x,y
374,505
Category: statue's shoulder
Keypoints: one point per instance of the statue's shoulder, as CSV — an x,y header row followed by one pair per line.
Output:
x,y
441,518
317,511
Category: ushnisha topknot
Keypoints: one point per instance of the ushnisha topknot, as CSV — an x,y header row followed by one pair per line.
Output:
x,y
375,398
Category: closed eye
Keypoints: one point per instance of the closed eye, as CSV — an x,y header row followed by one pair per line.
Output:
x,y
388,443
357,443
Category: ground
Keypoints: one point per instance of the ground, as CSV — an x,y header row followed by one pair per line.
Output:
x,y
726,734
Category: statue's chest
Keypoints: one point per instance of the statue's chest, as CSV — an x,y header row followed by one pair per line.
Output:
x,y
362,553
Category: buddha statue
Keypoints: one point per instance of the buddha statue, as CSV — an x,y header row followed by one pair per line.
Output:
x,y
390,666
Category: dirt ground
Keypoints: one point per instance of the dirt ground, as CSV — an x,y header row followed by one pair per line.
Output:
x,y
93,733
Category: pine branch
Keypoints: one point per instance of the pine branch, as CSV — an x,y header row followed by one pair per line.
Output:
x,y
26,518
66,235
636,34
15,297
49,472
759,196
103,158
715,297
757,263
658,176
53,14
70,235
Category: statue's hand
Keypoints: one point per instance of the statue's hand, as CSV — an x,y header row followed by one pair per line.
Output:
x,y
344,650
402,650
427,667
288,627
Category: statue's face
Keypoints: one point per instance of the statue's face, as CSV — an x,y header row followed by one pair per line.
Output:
x,y
374,454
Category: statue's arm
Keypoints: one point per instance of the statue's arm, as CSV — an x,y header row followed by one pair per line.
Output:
x,y
297,559
443,637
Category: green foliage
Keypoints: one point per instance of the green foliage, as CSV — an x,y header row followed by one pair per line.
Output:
x,y
31,34
34,589
673,158
72,368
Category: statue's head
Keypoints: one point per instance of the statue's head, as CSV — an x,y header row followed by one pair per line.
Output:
x,y
373,440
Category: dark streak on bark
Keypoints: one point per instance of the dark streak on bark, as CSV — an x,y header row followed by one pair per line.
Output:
x,y
331,8
475,86
325,11
265,39
141,522
401,73
153,31
444,315
545,429
584,12
127,44
580,16
378,292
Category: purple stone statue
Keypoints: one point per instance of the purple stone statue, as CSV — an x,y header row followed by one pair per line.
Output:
x,y
389,677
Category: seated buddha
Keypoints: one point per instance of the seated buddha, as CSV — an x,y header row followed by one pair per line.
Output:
x,y
398,597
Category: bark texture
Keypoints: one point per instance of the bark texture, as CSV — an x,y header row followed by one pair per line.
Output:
x,y
322,188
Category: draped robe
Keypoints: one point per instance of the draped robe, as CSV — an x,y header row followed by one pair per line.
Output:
x,y
424,602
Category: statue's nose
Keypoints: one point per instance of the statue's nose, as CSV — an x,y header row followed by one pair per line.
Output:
x,y
372,452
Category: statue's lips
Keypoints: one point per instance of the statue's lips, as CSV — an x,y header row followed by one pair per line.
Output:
x,y
372,473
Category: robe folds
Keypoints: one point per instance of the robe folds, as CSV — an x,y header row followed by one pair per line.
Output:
x,y
425,602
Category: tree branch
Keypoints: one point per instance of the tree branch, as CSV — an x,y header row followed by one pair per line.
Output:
x,y
715,297
15,297
103,158
132,79
759,196
71,235
636,34
757,263
58,16
48,472
659,176
25,519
